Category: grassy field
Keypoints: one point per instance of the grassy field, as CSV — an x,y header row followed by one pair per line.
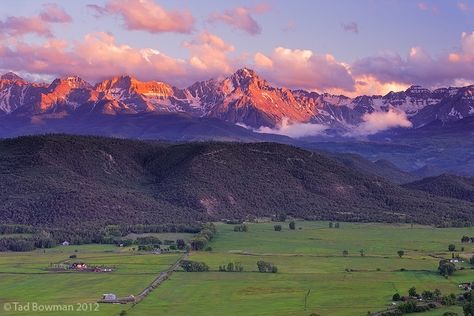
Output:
x,y
311,259
24,278
308,259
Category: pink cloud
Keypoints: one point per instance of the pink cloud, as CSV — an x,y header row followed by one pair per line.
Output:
x,y
423,6
210,54
241,18
37,24
463,6
99,56
296,68
420,67
146,15
54,14
20,25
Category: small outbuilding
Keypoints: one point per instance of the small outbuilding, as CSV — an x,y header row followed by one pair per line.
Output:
x,y
109,297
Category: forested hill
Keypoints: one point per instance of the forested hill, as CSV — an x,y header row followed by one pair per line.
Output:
x,y
446,185
60,180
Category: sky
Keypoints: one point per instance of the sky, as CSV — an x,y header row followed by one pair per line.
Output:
x,y
348,47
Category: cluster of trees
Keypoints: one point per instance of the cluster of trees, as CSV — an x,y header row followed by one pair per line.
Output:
x,y
40,239
43,237
16,244
280,217
231,267
446,268
465,239
468,307
427,295
413,307
410,304
265,267
332,225
233,221
241,228
206,234
16,229
194,266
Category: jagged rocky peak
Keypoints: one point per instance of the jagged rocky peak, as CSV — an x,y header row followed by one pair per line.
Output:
x,y
11,76
132,85
72,82
417,90
244,77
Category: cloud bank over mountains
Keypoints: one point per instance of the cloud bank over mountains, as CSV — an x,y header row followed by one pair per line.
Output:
x,y
101,54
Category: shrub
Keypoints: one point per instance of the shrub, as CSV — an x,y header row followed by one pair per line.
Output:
x,y
277,228
194,266
396,297
446,268
264,267
292,225
241,228
181,244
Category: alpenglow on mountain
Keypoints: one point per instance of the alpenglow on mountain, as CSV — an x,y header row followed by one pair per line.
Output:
x,y
242,98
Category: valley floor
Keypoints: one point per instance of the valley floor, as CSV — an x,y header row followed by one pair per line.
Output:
x,y
309,259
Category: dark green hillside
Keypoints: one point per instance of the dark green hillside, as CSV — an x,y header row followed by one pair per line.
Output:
x,y
60,180
381,168
446,185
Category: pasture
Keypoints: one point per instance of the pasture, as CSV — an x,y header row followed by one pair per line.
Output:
x,y
24,278
309,259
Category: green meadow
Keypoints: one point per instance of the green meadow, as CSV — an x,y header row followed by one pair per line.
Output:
x,y
24,278
309,260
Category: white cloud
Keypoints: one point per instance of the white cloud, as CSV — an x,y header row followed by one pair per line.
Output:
x,y
294,130
379,121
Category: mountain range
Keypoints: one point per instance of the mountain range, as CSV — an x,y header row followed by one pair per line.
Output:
x,y
242,98
436,136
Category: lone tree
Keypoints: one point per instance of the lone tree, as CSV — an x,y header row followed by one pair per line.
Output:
x,y
412,291
345,253
446,267
451,247
277,228
330,224
292,225
396,297
401,253
180,243
362,253
471,260
336,225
